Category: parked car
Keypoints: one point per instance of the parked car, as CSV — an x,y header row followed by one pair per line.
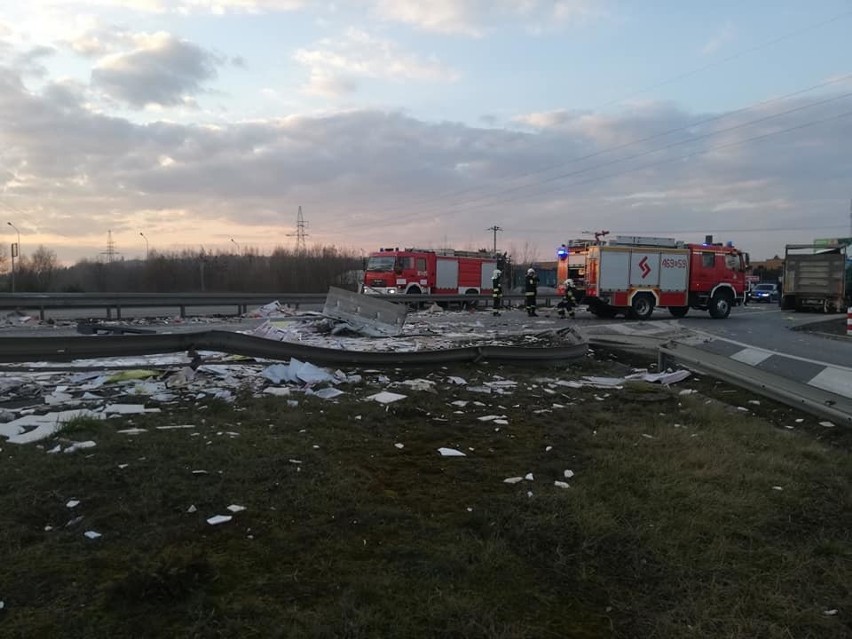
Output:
x,y
765,292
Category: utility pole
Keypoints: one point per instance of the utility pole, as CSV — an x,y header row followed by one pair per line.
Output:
x,y
300,233
494,228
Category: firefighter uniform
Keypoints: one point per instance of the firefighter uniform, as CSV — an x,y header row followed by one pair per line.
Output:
x,y
530,290
569,300
497,290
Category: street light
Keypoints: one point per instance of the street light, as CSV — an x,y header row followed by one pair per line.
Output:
x,y
16,252
239,252
147,252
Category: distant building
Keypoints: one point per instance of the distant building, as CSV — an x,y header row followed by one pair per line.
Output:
x,y
768,270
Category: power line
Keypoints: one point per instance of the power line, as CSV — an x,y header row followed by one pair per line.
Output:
x,y
708,229
697,153
658,149
729,58
675,78
624,145
493,200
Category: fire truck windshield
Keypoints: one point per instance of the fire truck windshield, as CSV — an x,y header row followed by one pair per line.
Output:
x,y
384,263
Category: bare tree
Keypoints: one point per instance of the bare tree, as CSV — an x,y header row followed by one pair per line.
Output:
x,y
37,271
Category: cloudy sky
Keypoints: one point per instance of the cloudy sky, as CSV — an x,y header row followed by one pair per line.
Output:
x,y
208,123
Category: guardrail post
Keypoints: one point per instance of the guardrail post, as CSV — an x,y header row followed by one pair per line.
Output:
x,y
109,312
849,322
182,311
117,312
41,313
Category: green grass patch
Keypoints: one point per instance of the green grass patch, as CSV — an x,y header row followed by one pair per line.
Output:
x,y
673,525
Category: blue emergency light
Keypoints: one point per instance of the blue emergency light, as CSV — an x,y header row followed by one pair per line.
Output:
x,y
562,252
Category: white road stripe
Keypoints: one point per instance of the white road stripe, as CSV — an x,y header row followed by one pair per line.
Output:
x,y
715,337
752,356
834,380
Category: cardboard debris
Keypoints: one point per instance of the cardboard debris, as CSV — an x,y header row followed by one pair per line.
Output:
x,y
33,428
124,409
328,393
234,508
386,397
219,519
666,378
451,452
73,448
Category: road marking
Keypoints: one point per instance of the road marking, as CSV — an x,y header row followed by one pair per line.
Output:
x,y
835,381
752,356
779,353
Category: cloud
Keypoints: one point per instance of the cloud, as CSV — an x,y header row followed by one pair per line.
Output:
x,y
161,70
723,36
475,17
190,6
78,173
334,64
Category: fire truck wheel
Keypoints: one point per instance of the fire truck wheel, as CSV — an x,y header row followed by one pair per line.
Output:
x,y
720,305
678,311
642,306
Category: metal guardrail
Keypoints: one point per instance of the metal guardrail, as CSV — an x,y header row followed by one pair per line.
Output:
x,y
64,349
782,389
42,302
810,399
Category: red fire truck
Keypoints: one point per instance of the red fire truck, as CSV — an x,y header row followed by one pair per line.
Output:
x,y
429,271
633,275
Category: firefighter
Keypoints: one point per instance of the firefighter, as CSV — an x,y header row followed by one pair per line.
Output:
x,y
497,294
530,289
569,300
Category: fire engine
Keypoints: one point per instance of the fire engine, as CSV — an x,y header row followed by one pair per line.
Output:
x,y
429,271
571,264
633,275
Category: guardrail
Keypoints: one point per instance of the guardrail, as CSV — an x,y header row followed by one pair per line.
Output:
x,y
115,302
64,349
810,399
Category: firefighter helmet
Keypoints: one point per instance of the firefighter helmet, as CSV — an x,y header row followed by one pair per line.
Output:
x,y
569,283
531,271
497,273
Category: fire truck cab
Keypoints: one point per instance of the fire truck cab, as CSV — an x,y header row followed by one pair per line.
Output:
x,y
428,271
633,275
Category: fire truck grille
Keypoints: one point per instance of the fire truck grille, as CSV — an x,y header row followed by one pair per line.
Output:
x,y
378,283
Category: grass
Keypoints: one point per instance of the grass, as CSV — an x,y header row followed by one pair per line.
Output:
x,y
671,526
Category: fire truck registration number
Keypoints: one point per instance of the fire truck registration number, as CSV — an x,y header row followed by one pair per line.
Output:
x,y
674,262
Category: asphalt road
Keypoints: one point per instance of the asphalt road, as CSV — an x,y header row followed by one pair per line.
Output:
x,y
758,325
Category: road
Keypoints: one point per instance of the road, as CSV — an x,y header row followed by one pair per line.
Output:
x,y
756,325
767,327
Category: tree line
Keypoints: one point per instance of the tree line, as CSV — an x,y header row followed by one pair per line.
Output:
x,y
311,270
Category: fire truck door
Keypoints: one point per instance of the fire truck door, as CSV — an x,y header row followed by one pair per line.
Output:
x,y
674,268
487,271
644,269
614,270
447,274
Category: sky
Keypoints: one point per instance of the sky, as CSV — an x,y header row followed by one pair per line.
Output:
x,y
174,125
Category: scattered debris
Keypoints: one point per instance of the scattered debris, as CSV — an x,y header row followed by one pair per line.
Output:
x,y
91,534
219,519
451,452
386,397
